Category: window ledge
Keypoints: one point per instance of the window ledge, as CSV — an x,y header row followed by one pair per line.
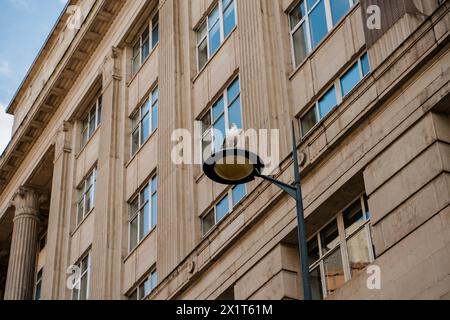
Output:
x,y
139,244
319,46
201,71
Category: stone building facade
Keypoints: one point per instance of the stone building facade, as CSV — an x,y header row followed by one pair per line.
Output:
x,y
93,207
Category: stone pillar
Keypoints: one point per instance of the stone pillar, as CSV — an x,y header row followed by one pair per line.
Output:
x,y
106,247
54,274
22,258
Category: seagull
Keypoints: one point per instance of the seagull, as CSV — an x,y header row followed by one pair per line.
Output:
x,y
232,136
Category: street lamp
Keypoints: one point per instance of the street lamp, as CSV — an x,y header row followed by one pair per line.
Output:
x,y
233,166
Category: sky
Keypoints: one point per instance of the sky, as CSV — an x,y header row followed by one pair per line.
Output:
x,y
24,27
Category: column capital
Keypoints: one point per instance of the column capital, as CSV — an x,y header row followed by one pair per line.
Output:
x,y
27,202
110,70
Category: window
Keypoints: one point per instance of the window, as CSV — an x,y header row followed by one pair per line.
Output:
x,y
141,48
216,27
311,20
223,208
144,122
92,121
145,288
38,285
225,112
86,196
335,95
342,249
81,285
143,213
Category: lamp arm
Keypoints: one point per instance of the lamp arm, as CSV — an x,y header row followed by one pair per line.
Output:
x,y
291,190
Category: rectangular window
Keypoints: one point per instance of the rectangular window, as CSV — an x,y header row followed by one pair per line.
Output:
x,y
144,43
223,207
343,85
86,196
311,20
144,122
91,122
214,30
144,288
225,113
38,285
341,249
80,290
143,213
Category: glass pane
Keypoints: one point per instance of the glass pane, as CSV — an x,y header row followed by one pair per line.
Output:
x,y
365,64
146,286
353,218
327,102
366,204
358,252
133,233
350,79
145,221
234,114
154,210
145,195
154,280
229,20
80,211
85,137
155,35
145,49
316,284
297,14
135,142
155,117
133,295
202,54
201,32
233,91
155,94
300,44
222,209
308,121
238,194
207,145
219,133
214,38
88,201
134,207
218,108
330,237
338,9
84,264
311,3
214,16
154,184
208,222
206,121
225,3
318,24
99,112
145,108
37,294
75,293
313,251
334,271
145,128
84,287
92,124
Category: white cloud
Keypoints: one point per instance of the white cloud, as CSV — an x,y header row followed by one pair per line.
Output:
x,y
6,123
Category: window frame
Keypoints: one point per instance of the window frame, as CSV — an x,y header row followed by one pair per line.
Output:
x,y
141,210
150,27
138,114
96,111
205,22
86,273
306,19
343,240
83,189
213,209
136,289
340,98
225,113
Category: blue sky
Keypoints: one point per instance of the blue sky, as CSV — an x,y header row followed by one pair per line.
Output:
x,y
24,26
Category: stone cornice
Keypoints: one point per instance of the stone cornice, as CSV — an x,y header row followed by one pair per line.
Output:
x,y
96,25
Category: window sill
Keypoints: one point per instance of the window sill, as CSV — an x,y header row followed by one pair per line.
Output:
x,y
127,164
139,244
200,72
78,227
77,156
310,55
134,76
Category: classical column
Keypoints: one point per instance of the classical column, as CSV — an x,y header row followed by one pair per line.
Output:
x,y
22,257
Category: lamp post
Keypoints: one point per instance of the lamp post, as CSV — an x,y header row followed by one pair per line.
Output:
x,y
233,166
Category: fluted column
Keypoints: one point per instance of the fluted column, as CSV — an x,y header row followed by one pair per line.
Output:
x,y
22,258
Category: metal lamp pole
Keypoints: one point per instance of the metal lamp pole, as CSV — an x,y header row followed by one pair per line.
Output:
x,y
295,192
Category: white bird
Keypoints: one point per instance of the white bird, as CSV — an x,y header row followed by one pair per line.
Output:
x,y
232,136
